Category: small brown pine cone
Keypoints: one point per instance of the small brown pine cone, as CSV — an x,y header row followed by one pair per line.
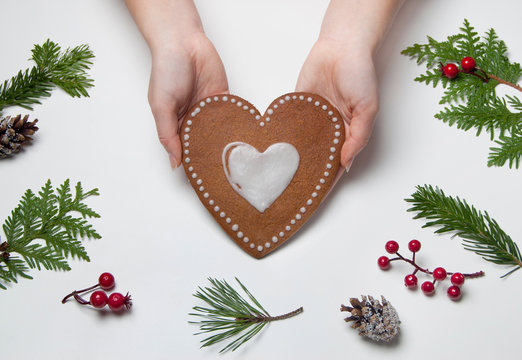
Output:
x,y
379,322
15,132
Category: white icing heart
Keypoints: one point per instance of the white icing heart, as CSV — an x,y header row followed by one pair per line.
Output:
x,y
260,178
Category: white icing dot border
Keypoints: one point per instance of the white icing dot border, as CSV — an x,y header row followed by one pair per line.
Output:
x,y
262,122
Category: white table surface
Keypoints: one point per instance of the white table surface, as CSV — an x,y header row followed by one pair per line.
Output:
x,y
161,243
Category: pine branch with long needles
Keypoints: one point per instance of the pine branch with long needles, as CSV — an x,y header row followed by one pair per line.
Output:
x,y
229,316
479,232
53,68
471,99
44,230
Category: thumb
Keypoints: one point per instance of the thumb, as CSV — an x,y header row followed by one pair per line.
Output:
x,y
166,120
358,133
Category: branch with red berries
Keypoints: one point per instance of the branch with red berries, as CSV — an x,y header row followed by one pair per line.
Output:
x,y
470,90
439,274
98,298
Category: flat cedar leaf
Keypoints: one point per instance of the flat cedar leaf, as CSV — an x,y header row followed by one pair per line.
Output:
x,y
472,99
45,230
492,117
509,150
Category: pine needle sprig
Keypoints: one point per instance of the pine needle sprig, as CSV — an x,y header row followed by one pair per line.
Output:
x,y
44,230
230,316
53,68
470,98
479,232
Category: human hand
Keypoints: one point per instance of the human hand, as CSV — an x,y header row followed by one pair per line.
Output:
x,y
345,76
182,74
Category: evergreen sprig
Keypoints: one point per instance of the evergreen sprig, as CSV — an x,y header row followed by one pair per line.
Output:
x,y
44,230
53,67
471,101
230,316
479,232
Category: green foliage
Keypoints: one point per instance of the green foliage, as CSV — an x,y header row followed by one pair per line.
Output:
x,y
230,316
471,102
66,70
479,232
45,229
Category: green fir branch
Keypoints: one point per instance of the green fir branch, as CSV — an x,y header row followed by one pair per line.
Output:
x,y
53,68
44,230
471,99
479,232
229,316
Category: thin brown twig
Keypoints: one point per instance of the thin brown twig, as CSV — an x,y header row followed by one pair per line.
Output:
x,y
502,81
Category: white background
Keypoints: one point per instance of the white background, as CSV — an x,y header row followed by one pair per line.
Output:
x,y
160,243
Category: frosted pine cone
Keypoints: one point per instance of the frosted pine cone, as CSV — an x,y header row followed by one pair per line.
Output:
x,y
373,320
15,132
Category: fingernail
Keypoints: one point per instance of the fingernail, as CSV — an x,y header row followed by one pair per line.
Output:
x,y
173,162
349,165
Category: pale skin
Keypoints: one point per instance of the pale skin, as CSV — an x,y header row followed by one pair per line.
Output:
x,y
186,67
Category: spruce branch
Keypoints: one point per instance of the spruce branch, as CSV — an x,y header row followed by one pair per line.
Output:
x,y
53,68
479,232
229,316
471,99
44,230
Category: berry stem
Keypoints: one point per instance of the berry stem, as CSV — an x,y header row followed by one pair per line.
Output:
x,y
81,300
426,271
76,292
484,79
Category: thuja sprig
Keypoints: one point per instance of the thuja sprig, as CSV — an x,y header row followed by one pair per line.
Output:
x,y
470,93
53,68
229,316
479,232
44,230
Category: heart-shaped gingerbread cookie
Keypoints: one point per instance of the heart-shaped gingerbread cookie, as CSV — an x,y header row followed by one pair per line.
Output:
x,y
262,176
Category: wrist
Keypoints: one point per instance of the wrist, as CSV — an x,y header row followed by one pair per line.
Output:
x,y
345,47
358,23
173,41
166,24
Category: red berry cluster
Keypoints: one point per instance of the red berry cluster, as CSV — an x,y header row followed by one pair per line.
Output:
x,y
468,66
438,274
99,298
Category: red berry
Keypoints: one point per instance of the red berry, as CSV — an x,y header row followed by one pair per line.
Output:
x,y
117,301
450,70
454,292
392,247
383,262
457,279
414,245
439,274
106,281
468,64
410,281
428,288
98,299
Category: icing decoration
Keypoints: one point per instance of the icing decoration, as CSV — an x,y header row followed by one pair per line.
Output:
x,y
260,178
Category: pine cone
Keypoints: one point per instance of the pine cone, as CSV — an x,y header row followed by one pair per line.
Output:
x,y
15,132
373,320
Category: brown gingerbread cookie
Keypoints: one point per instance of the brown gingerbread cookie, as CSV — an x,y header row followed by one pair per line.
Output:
x,y
262,176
